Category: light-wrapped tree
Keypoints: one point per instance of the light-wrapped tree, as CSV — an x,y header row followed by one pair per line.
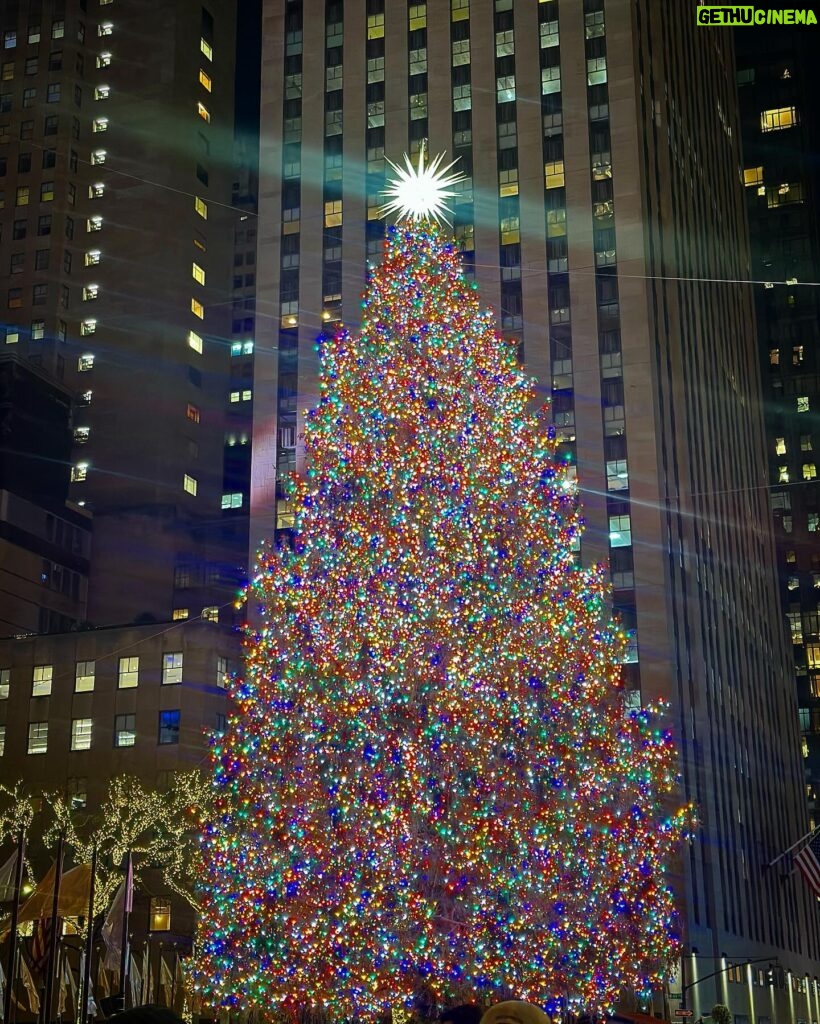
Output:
x,y
430,776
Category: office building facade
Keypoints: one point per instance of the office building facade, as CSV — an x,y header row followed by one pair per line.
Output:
x,y
780,139
602,217
116,136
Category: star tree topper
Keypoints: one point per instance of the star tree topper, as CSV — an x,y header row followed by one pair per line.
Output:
x,y
420,193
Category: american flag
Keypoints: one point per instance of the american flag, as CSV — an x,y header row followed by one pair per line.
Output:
x,y
808,860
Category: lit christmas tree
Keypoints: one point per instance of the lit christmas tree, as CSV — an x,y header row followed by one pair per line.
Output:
x,y
430,778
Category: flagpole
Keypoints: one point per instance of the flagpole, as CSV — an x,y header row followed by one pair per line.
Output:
x,y
126,913
11,972
89,940
789,849
54,938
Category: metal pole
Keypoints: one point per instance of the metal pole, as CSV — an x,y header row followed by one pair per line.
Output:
x,y
126,914
54,937
89,941
11,969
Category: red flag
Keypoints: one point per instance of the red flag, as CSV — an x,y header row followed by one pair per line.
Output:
x,y
808,860
41,944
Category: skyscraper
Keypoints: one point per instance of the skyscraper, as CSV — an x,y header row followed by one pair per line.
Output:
x,y
602,216
116,131
781,136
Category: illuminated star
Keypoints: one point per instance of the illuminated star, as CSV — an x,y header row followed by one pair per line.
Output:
x,y
421,192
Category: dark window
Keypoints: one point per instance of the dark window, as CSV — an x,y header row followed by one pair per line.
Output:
x,y
18,230
55,60
169,727
41,259
44,224
27,129
50,125
24,162
49,158
39,295
202,174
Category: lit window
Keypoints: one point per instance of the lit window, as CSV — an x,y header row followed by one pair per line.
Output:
x,y
90,292
102,92
203,112
549,34
105,28
41,678
551,79
172,668
79,472
753,176
197,273
813,521
197,309
92,258
179,614
206,48
510,230
805,443
81,434
168,727
5,680
802,403
96,190
84,676
125,730
375,26
201,207
596,71
189,484
233,500
417,16
620,531
81,729
38,330
128,675
103,60
160,914
22,196
778,118
221,672
333,213
38,737
99,124
204,80
617,475
241,396
780,446
210,614
195,341
505,89
809,471
2,740
783,474
94,224
554,174
192,413
85,362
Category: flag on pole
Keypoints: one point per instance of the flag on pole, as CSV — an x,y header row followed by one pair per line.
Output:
x,y
41,943
68,988
72,899
808,860
136,983
8,872
146,973
179,988
112,930
30,987
166,981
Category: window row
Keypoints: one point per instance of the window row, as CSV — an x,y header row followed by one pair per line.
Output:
x,y
82,732
42,676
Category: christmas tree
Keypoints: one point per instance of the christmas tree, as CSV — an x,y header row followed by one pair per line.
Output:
x,y
431,778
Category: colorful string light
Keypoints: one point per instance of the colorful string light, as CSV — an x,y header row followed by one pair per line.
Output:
x,y
430,779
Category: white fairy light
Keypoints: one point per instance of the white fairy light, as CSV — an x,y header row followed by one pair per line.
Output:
x,y
421,192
